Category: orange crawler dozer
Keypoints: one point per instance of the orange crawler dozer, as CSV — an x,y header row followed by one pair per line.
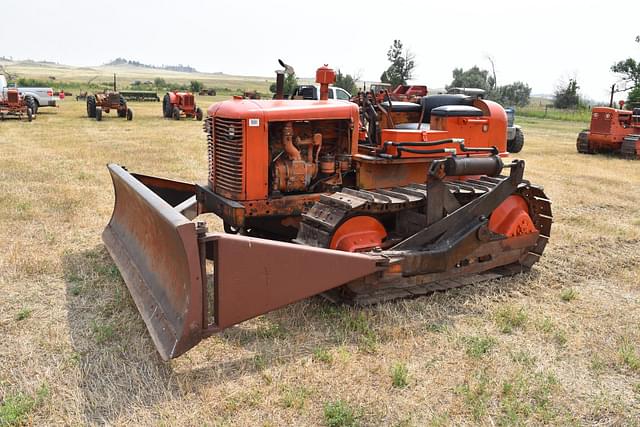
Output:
x,y
315,202
612,130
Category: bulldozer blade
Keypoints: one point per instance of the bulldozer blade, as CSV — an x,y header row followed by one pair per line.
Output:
x,y
161,256
156,251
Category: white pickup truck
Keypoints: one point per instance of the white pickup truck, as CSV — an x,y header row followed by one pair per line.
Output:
x,y
42,96
313,92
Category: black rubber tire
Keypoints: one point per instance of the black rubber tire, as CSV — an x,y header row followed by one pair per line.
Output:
x,y
129,114
29,114
515,145
198,113
31,103
176,113
98,114
122,109
91,106
167,109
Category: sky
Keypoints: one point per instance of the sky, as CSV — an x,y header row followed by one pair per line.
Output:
x,y
542,42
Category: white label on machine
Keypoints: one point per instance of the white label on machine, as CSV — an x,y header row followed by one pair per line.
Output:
x,y
254,122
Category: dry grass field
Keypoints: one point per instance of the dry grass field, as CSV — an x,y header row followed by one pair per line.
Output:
x,y
558,346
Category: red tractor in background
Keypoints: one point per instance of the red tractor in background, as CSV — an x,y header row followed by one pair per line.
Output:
x,y
177,104
15,105
612,130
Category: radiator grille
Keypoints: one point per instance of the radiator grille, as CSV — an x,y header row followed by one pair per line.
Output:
x,y
228,156
187,100
601,122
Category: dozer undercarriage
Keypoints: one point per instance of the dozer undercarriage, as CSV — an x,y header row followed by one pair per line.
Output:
x,y
447,234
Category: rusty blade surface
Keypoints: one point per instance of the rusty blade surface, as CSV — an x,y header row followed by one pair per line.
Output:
x,y
255,276
156,251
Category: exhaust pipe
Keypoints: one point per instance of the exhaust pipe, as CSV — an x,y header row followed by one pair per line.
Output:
x,y
279,84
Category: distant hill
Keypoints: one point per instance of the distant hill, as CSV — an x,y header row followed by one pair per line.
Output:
x,y
180,68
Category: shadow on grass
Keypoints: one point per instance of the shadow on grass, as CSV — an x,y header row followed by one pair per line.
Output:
x,y
122,371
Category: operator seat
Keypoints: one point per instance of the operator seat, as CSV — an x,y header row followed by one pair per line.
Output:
x,y
430,102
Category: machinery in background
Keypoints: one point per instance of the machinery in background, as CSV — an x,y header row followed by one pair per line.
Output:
x,y
611,131
104,102
180,104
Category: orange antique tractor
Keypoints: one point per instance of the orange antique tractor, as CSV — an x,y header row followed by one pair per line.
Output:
x,y
612,130
177,104
314,203
14,105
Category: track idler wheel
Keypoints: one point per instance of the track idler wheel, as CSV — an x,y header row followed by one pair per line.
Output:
x,y
512,218
357,234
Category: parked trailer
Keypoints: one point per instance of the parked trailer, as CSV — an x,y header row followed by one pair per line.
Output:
x,y
140,95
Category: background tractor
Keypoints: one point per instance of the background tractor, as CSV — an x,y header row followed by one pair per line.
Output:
x,y
178,104
612,130
106,101
314,203
12,104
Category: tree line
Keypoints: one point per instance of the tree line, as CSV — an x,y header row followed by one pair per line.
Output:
x,y
566,94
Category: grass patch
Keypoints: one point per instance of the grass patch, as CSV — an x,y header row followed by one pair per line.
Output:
x,y
399,375
526,397
15,409
479,346
270,331
294,397
628,354
102,332
523,357
568,294
322,355
476,395
339,414
509,318
23,313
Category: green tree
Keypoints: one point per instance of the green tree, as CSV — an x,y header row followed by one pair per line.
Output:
x,y
290,84
474,77
346,82
566,96
402,64
629,70
160,83
516,93
195,86
633,98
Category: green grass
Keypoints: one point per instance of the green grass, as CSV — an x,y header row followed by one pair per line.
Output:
x,y
476,395
322,355
16,408
294,397
339,414
102,332
399,375
540,112
628,354
478,346
23,314
568,294
509,318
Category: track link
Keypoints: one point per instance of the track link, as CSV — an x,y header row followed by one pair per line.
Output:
x,y
630,147
323,219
